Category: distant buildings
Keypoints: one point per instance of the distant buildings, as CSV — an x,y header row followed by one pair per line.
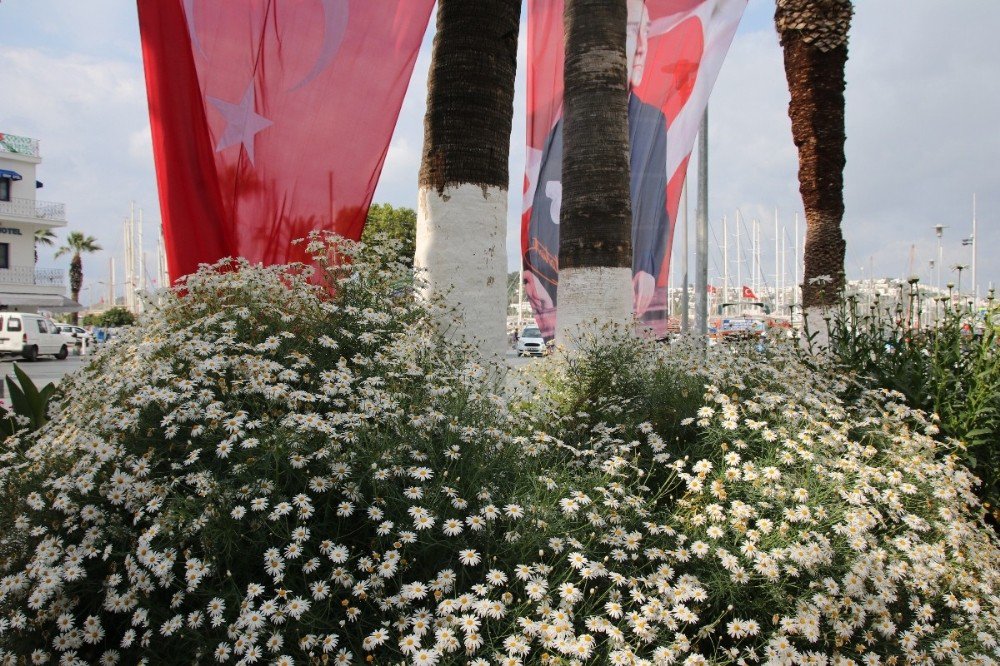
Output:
x,y
23,287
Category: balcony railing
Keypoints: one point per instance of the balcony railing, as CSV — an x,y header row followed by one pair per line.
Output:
x,y
22,145
33,210
29,275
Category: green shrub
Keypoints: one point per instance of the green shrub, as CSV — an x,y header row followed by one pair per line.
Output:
x,y
950,370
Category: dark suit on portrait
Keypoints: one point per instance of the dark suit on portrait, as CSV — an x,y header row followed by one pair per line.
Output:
x,y
650,223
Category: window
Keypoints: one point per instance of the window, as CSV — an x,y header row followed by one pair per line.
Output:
x,y
14,324
4,255
42,328
5,189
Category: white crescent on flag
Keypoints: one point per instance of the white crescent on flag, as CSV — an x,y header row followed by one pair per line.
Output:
x,y
336,15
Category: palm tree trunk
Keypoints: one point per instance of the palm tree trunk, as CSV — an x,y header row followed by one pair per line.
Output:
x,y
462,214
75,282
814,41
816,83
595,232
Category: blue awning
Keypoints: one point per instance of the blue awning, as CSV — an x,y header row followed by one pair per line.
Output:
x,y
10,175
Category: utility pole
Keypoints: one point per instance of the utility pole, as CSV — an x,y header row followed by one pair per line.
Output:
x,y
939,230
701,235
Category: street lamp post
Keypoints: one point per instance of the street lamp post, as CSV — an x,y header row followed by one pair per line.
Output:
x,y
939,230
960,268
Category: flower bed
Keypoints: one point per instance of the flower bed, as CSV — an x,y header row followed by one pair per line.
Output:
x,y
272,472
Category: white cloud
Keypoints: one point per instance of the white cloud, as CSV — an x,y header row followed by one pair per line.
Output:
x,y
91,117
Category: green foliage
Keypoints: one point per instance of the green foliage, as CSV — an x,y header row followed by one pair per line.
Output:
x,y
399,224
116,316
29,404
950,369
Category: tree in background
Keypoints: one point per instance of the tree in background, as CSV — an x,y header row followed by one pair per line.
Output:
x,y
43,237
77,244
397,223
595,231
116,316
813,36
462,215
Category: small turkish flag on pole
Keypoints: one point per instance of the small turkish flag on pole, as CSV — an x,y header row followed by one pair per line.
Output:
x,y
748,293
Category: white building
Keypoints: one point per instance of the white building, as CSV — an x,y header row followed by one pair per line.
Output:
x,y
23,287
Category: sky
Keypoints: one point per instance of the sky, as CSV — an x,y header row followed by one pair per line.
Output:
x,y
923,102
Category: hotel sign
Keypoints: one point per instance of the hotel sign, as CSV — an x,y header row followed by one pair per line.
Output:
x,y
13,231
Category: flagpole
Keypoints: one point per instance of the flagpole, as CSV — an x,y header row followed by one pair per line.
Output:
x,y
975,239
701,234
685,295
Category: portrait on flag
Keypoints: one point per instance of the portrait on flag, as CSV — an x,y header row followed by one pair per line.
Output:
x,y
674,50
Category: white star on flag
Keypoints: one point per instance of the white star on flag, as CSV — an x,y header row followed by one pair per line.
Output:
x,y
242,122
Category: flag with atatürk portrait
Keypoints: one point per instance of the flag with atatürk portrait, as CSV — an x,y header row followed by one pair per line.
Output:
x,y
271,119
675,50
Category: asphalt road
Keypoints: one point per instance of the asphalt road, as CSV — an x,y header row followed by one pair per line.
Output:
x,y
46,369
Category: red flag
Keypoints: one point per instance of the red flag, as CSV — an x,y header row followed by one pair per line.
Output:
x,y
748,293
271,119
675,49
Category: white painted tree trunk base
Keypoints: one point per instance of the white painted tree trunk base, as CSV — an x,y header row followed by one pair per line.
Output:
x,y
815,324
590,297
461,253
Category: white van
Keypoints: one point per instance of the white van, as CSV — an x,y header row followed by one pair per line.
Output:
x,y
30,335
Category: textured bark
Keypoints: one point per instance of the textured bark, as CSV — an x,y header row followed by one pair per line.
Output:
x,y
470,94
596,217
76,282
814,40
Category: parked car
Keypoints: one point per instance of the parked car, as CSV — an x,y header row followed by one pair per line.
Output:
x,y
30,335
531,343
75,334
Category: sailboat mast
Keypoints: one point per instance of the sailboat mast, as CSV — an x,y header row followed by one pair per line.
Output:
x,y
739,256
777,282
725,259
784,253
797,288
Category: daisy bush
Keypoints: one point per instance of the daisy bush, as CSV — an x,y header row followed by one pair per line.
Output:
x,y
281,466
797,526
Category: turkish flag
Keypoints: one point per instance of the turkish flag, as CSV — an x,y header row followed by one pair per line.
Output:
x,y
748,293
271,119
